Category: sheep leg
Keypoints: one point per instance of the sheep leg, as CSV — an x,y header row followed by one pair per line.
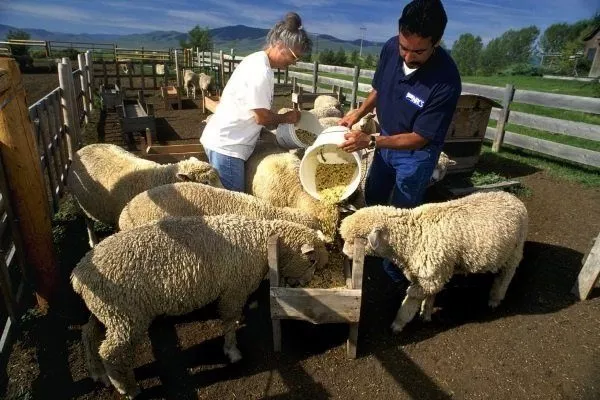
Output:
x,y
427,307
410,305
92,335
500,285
93,240
117,355
230,310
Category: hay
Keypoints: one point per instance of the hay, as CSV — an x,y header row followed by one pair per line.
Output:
x,y
333,179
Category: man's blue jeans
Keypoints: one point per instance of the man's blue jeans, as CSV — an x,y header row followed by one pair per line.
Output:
x,y
231,170
399,178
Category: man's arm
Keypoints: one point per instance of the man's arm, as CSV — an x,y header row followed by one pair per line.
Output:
x,y
367,106
265,117
356,140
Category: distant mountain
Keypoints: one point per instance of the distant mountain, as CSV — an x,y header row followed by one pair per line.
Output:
x,y
244,39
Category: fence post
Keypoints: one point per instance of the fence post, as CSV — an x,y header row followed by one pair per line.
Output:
x,y
509,93
84,85
177,73
222,60
354,100
21,163
287,75
198,56
90,77
65,101
74,108
315,76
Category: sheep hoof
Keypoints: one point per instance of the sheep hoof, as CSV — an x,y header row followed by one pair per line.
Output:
x,y
397,327
494,303
233,354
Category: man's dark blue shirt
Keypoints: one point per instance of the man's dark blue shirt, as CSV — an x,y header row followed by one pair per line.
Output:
x,y
422,102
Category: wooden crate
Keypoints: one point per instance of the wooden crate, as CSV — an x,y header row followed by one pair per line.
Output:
x,y
465,135
315,305
165,154
137,116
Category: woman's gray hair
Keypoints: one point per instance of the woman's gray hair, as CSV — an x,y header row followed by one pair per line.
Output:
x,y
289,31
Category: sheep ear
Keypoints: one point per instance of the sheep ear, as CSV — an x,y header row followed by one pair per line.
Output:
x,y
183,177
451,162
376,238
307,248
193,159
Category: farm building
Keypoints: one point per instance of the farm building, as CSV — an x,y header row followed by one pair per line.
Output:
x,y
592,51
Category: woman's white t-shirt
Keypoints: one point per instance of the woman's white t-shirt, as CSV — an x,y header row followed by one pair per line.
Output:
x,y
232,130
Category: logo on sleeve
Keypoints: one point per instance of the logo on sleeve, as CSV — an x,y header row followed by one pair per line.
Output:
x,y
415,100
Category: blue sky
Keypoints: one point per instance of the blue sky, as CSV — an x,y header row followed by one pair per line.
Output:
x,y
340,18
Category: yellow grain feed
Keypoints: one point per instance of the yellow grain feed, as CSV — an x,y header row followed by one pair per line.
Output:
x,y
333,179
305,136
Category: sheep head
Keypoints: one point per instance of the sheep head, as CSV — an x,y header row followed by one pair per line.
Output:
x,y
369,223
194,170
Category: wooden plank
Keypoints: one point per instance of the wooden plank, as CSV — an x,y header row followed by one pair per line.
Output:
x,y
492,92
358,262
590,272
563,101
558,150
275,281
509,93
300,75
211,103
564,127
318,306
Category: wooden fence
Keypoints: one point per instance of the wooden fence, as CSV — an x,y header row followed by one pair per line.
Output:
x,y
40,142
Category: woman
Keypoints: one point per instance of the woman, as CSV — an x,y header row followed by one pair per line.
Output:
x,y
230,136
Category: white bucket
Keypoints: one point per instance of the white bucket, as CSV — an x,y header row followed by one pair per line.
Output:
x,y
325,150
286,133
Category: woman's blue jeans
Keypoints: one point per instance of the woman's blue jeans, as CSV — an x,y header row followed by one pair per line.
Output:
x,y
231,170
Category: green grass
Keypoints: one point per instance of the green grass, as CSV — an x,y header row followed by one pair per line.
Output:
x,y
587,176
539,84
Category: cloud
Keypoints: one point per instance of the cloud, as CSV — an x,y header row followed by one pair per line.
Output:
x,y
47,11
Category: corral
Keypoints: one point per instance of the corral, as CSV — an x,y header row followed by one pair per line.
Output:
x,y
540,343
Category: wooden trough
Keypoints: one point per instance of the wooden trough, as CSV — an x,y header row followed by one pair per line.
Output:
x,y
210,103
171,96
137,116
165,154
318,305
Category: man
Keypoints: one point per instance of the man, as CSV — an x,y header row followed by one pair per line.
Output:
x,y
415,90
231,134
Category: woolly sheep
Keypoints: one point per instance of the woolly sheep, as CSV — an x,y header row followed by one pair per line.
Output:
x,y
172,267
272,174
483,232
325,101
196,81
160,69
366,124
328,122
190,199
326,112
104,177
441,168
127,65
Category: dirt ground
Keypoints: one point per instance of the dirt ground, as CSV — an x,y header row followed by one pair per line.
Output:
x,y
541,343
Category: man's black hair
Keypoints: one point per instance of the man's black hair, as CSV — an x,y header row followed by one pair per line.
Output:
x,y
424,18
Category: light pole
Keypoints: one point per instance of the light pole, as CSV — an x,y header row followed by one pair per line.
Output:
x,y
362,37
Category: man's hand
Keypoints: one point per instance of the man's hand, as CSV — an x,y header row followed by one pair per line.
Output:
x,y
355,140
292,117
350,119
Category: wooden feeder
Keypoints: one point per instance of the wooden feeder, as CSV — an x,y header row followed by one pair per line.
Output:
x,y
111,96
137,116
466,132
316,305
172,153
171,96
210,103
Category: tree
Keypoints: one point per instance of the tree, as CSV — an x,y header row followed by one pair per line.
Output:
x,y
512,47
554,38
465,52
369,61
18,35
327,57
340,57
198,37
354,58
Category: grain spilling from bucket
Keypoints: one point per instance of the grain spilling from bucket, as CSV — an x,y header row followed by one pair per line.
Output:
x,y
332,180
306,137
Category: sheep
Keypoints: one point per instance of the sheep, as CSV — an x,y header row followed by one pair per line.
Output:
x,y
190,198
127,65
366,124
160,69
173,266
201,81
441,168
273,175
326,112
324,101
483,232
328,122
104,177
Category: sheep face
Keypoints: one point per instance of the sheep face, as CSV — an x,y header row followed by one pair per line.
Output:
x,y
377,243
300,258
367,223
441,168
194,170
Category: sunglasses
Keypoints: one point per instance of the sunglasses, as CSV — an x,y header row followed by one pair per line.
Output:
x,y
296,58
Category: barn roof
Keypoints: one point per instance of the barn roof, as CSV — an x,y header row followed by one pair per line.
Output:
x,y
592,33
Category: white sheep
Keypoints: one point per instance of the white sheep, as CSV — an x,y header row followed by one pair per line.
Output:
x,y
104,177
174,266
127,65
195,199
272,174
326,112
328,122
324,101
483,232
160,69
441,168
366,124
196,81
